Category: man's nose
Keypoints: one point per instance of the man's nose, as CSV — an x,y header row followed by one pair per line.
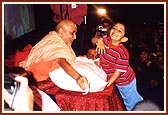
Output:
x,y
74,36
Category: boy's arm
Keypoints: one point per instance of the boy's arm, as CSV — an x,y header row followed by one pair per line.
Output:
x,y
113,78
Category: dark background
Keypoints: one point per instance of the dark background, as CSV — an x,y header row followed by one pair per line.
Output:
x,y
135,15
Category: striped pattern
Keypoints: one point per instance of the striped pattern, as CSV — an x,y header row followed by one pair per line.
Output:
x,y
117,58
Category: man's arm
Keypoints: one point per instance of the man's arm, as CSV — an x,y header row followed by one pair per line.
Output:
x,y
72,72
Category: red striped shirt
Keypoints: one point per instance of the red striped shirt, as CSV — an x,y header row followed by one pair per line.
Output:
x,y
117,58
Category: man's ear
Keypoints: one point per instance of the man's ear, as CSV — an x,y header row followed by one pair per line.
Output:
x,y
60,32
124,39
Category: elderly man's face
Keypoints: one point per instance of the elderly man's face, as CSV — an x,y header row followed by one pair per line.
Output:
x,y
69,34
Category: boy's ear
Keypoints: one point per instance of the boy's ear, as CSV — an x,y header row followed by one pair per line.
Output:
x,y
124,39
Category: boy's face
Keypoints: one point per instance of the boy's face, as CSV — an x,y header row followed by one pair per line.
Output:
x,y
117,32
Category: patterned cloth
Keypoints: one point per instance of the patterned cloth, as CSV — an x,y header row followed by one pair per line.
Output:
x,y
99,101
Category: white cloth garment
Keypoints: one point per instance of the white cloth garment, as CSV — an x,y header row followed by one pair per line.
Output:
x,y
48,104
86,67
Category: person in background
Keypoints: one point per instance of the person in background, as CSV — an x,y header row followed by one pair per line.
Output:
x,y
142,64
156,78
149,70
102,30
52,52
24,99
76,13
92,54
114,60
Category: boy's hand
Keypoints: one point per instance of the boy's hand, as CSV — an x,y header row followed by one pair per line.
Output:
x,y
108,83
100,46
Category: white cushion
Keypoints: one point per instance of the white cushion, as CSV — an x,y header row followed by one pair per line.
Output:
x,y
86,67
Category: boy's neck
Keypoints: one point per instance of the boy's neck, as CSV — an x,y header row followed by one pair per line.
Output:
x,y
115,43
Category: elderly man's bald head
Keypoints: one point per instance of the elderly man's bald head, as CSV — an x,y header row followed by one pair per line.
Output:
x,y
65,24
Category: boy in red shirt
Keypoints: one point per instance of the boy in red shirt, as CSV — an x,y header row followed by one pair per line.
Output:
x,y
114,60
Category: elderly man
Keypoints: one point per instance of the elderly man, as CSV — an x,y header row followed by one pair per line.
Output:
x,y
52,52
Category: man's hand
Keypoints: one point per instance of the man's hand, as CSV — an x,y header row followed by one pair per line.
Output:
x,y
81,81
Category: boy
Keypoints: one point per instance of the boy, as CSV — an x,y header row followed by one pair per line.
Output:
x,y
114,60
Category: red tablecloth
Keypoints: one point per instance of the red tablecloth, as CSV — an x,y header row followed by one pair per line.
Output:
x,y
107,100
99,101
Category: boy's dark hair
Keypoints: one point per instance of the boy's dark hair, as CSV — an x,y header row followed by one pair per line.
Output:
x,y
126,25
